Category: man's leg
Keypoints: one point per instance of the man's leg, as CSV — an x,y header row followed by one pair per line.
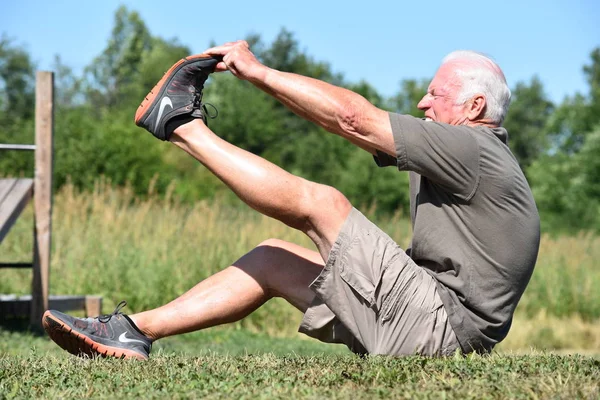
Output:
x,y
275,268
315,209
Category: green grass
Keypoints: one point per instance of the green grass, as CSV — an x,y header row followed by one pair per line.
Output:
x,y
226,363
149,251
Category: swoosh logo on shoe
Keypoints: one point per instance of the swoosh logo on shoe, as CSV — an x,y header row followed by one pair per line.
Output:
x,y
163,103
125,339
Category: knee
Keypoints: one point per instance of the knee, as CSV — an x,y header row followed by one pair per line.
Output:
x,y
266,257
265,262
267,246
324,206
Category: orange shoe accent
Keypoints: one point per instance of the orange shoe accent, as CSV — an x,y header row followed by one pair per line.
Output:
x,y
78,344
156,89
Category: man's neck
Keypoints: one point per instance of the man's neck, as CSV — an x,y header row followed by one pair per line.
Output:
x,y
483,122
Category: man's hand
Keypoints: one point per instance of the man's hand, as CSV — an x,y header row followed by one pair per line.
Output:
x,y
238,59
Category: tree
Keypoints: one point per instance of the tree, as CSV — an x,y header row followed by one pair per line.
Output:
x,y
578,115
526,121
565,181
17,106
116,68
567,187
17,81
410,93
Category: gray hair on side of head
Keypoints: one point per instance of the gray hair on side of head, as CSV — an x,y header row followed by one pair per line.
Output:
x,y
478,73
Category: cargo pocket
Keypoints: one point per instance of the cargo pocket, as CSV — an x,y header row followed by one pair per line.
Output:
x,y
360,284
364,263
414,289
391,303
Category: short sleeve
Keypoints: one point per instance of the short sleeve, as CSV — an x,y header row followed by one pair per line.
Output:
x,y
447,155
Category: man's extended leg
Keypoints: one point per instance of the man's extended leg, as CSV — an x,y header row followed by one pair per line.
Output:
x,y
318,210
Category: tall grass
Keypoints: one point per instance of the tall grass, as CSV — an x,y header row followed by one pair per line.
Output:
x,y
149,251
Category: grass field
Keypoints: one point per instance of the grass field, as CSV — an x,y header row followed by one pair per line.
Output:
x,y
105,241
224,363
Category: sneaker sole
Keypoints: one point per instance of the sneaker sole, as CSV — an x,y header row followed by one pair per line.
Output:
x,y
79,345
146,107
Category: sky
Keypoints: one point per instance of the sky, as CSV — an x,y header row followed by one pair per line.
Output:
x,y
381,42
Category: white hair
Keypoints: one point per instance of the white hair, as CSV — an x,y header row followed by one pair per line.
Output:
x,y
477,73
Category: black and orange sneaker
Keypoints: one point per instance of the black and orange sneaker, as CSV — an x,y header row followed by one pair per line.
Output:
x,y
112,335
177,98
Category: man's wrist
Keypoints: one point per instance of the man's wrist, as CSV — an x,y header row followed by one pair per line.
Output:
x,y
259,75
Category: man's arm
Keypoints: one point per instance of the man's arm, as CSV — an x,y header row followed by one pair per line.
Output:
x,y
336,109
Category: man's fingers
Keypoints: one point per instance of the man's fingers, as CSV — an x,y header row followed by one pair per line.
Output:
x,y
217,51
226,48
220,67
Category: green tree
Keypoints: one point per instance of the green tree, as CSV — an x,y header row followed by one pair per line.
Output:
x,y
410,93
17,107
565,181
567,187
68,88
17,81
578,115
112,72
526,121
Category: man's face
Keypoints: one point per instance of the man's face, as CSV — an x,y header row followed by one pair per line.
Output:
x,y
439,102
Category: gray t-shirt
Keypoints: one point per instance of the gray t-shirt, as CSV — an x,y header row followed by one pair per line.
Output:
x,y
476,228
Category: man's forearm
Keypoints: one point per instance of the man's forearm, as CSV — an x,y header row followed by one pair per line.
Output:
x,y
336,109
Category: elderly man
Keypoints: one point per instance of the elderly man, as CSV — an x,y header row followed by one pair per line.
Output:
x,y
476,227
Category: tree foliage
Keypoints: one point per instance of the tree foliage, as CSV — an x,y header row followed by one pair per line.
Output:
x,y
557,146
526,121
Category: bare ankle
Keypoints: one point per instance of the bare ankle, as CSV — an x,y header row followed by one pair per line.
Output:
x,y
147,331
186,130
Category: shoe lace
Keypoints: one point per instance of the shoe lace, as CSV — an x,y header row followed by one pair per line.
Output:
x,y
207,113
199,105
106,317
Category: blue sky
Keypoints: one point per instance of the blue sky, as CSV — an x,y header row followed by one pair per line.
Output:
x,y
381,42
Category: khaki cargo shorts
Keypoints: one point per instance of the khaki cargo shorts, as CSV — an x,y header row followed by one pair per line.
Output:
x,y
372,297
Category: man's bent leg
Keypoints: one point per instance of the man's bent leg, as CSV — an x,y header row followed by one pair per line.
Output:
x,y
315,209
273,269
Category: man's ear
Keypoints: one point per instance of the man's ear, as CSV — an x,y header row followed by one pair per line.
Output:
x,y
476,107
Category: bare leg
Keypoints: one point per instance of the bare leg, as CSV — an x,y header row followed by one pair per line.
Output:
x,y
315,209
273,269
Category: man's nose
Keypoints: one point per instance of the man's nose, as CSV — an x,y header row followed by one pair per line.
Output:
x,y
425,102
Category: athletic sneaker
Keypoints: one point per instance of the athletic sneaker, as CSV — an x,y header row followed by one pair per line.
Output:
x,y
177,97
112,335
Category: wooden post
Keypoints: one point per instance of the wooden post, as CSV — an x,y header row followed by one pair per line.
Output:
x,y
42,194
93,306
